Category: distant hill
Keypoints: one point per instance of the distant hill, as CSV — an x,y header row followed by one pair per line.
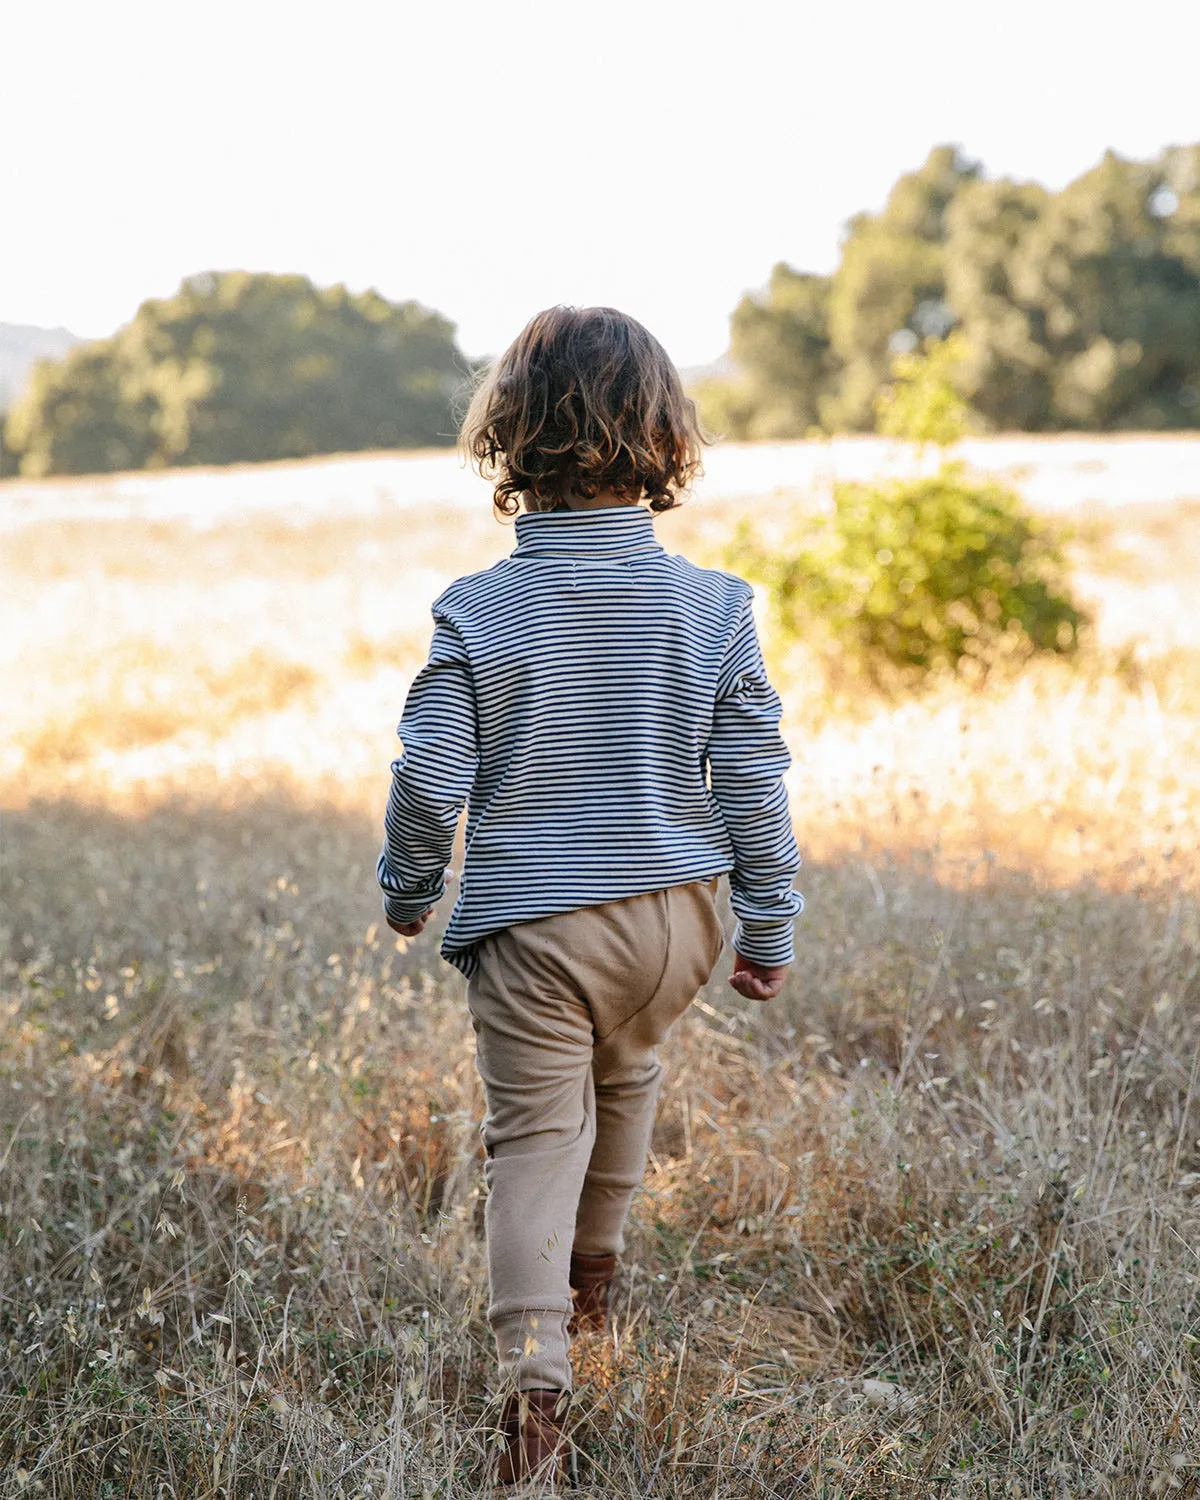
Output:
x,y
716,369
21,346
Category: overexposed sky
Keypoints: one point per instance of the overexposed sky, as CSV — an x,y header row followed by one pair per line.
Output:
x,y
492,159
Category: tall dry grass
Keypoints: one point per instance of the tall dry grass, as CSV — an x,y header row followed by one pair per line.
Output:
x,y
927,1226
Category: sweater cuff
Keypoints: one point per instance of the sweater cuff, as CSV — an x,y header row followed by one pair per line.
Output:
x,y
771,944
403,903
410,906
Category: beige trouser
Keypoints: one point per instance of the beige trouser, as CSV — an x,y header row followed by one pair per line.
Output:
x,y
567,1012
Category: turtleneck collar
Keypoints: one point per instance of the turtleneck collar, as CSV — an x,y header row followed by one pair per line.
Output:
x,y
614,531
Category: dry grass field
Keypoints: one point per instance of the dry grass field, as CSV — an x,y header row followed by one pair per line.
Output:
x,y
929,1225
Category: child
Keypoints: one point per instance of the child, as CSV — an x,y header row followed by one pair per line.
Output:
x,y
601,708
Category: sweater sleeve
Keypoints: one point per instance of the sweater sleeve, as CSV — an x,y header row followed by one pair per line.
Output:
x,y
747,758
431,780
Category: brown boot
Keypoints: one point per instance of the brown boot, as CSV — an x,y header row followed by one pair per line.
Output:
x,y
591,1277
534,1428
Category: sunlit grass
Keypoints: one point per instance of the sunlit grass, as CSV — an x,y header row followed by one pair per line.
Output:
x,y
926,1226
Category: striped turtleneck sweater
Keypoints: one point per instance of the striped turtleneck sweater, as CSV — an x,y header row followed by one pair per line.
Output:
x,y
600,707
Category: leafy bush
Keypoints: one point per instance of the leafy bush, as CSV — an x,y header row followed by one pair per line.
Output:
x,y
919,575
914,576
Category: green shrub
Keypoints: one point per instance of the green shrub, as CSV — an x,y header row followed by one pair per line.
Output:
x,y
914,576
910,577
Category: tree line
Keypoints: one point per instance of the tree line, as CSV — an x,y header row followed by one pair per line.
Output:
x,y
238,367
1076,310
1072,310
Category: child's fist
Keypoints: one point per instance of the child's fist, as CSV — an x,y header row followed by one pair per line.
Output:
x,y
756,981
410,929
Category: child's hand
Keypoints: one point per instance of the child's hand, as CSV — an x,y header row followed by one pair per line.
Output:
x,y
410,929
756,981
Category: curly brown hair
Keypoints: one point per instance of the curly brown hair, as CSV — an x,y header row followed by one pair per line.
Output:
x,y
584,399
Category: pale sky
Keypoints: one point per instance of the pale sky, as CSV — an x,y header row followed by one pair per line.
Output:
x,y
492,159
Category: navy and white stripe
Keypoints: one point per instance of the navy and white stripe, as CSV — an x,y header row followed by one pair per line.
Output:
x,y
602,709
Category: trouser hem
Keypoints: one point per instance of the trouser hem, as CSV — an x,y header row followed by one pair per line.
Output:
x,y
532,1349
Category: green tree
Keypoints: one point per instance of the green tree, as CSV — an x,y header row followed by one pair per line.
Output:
x,y
1078,309
889,290
240,367
1005,369
9,460
780,341
1111,273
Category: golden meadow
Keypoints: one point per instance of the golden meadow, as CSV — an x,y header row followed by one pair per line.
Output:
x,y
929,1225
